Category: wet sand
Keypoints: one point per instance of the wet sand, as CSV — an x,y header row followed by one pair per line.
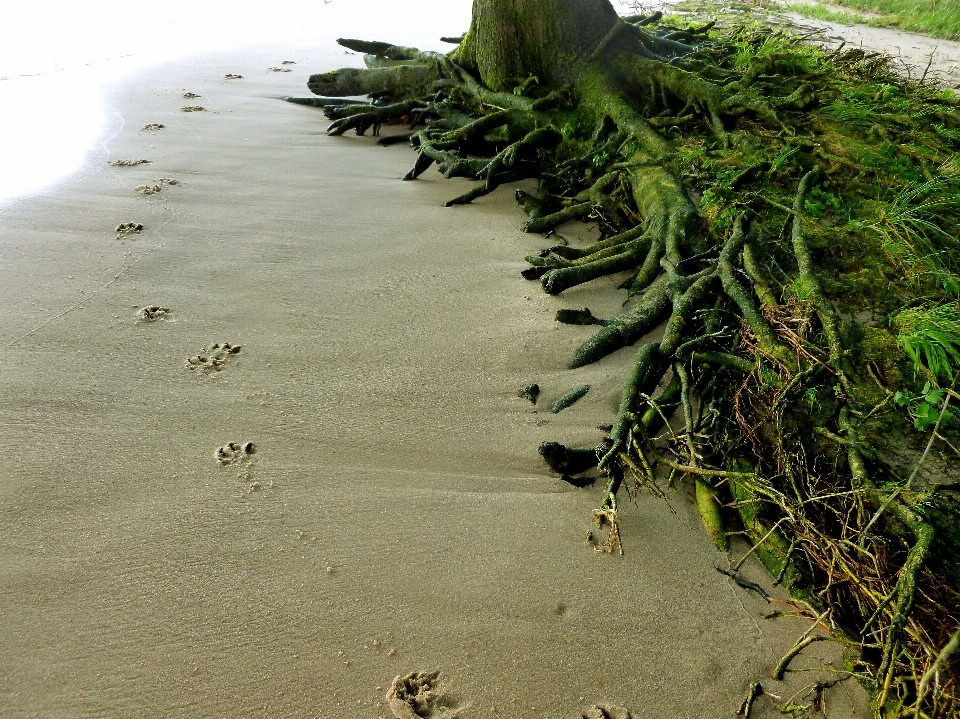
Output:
x,y
394,517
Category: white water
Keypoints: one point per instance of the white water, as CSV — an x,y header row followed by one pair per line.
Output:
x,y
57,57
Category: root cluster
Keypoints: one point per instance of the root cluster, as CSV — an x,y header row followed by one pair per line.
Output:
x,y
770,204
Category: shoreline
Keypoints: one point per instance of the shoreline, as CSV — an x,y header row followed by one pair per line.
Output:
x,y
57,58
395,516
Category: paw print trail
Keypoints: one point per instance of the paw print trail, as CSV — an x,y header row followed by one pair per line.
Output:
x,y
214,360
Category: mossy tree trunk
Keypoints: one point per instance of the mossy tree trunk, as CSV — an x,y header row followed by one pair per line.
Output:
x,y
510,40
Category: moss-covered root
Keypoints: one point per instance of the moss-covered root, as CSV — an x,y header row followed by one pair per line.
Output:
x,y
765,335
708,505
784,663
809,283
769,543
649,311
568,460
371,117
923,535
398,81
570,398
755,691
670,295
686,294
507,165
568,252
906,591
557,280
582,205
661,407
648,368
540,138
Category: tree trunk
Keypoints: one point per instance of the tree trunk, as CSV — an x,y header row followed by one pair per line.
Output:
x,y
509,40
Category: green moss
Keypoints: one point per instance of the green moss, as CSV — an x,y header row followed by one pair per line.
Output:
x,y
876,347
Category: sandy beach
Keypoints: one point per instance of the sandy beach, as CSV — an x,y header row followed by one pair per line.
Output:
x,y
394,516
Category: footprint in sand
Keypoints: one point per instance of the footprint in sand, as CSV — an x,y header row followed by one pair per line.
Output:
x,y
278,69
192,108
234,453
230,76
128,229
240,455
152,312
155,188
153,126
212,361
417,696
130,163
190,95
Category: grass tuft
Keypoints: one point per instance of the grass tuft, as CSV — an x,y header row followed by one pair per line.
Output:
x,y
930,336
821,11
937,18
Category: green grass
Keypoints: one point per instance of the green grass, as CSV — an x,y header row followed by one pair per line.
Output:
x,y
938,18
930,336
821,12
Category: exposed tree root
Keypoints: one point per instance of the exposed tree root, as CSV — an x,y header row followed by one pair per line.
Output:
x,y
727,173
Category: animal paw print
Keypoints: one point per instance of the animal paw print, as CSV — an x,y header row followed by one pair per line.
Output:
x,y
278,69
234,453
127,229
190,95
155,188
288,62
419,694
231,76
153,126
212,361
131,163
193,108
204,362
152,312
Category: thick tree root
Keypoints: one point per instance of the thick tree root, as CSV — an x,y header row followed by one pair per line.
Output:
x,y
374,117
652,308
557,280
325,101
566,460
570,398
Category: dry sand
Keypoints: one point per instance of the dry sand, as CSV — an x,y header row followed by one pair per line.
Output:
x,y
394,517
